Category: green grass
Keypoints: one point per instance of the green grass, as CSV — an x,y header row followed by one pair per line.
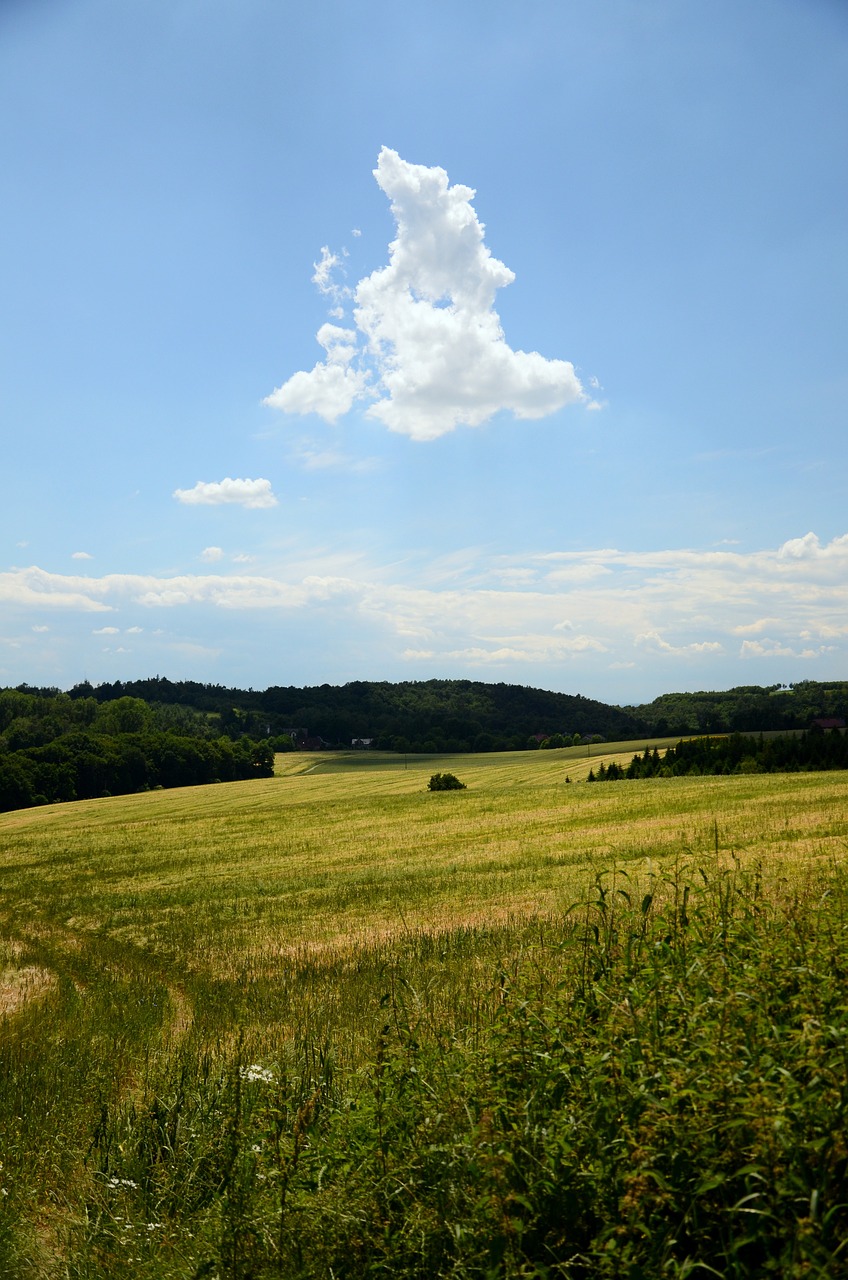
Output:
x,y
334,1024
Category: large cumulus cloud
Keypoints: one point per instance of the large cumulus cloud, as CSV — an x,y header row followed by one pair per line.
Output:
x,y
428,352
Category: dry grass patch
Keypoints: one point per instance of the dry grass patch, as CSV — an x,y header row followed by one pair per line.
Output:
x,y
21,986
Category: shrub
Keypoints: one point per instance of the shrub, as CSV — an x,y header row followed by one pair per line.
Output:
x,y
445,782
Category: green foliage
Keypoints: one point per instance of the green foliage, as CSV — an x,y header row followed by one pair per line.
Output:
x,y
218,1070
445,782
652,1085
784,753
746,709
57,754
410,716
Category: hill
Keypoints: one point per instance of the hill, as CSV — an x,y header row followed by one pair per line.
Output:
x,y
429,715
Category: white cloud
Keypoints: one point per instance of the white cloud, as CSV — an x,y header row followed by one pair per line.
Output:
x,y
245,493
685,609
809,548
323,278
753,628
40,630
654,641
332,386
314,458
81,555
431,337
766,648
211,554
106,631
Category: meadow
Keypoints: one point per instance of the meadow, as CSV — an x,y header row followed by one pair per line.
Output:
x,y
331,1024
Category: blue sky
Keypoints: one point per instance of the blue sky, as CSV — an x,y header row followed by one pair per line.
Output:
x,y
385,341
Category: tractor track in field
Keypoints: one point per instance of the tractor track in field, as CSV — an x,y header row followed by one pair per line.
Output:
x,y
48,954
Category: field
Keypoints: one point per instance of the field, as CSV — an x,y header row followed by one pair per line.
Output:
x,y
331,1024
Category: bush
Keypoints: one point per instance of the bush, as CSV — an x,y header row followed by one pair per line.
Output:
x,y
445,782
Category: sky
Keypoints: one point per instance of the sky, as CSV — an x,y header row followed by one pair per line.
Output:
x,y
472,339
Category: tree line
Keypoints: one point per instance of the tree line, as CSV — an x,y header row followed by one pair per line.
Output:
x,y
53,748
427,716
738,753
744,709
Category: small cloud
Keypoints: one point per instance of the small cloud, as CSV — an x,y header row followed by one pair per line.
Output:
x,y
21,545
653,641
752,628
323,277
767,648
332,386
356,232
40,630
211,554
81,555
106,631
315,459
134,631
801,548
245,493
243,558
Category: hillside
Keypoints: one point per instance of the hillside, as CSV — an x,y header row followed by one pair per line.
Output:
x,y
435,715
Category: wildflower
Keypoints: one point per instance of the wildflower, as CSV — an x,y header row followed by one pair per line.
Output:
x,y
117,1183
257,1075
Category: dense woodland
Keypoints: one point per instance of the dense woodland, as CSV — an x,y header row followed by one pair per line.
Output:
x,y
425,716
128,736
738,753
746,709
54,747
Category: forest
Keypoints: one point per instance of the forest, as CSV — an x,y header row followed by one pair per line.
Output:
x,y
121,737
813,751
54,747
456,715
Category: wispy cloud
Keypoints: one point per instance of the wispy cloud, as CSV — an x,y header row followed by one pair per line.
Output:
x,y
685,608
428,352
81,555
314,458
243,493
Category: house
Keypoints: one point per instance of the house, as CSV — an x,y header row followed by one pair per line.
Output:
x,y
362,742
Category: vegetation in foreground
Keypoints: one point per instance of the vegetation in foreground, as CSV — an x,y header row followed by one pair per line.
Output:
x,y
647,1077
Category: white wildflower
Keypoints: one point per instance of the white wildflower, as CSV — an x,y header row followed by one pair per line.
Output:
x,y
257,1075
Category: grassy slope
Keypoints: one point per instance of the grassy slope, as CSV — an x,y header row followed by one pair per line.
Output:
x,y
341,849
161,937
